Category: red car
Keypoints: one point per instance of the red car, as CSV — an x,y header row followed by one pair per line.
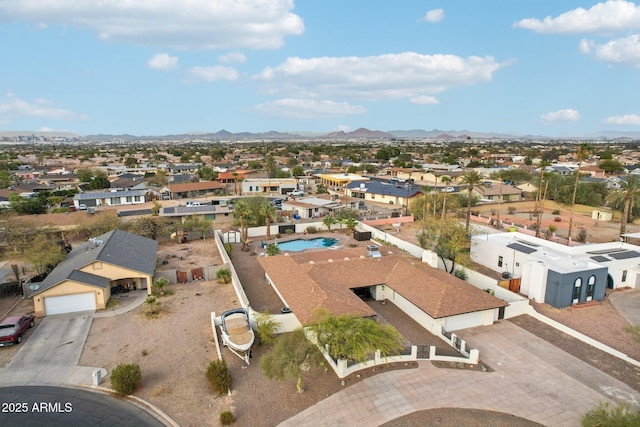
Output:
x,y
12,328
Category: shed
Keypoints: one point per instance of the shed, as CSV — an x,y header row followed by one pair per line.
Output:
x,y
361,236
602,215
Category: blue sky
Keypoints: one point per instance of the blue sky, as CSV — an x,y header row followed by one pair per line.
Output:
x,y
151,67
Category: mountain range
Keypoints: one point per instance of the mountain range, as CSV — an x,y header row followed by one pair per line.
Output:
x,y
361,133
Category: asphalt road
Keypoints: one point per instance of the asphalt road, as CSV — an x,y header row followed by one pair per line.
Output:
x,y
55,406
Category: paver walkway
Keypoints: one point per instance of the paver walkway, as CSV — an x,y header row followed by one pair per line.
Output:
x,y
531,379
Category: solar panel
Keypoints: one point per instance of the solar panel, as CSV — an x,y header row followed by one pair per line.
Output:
x,y
600,258
521,248
625,255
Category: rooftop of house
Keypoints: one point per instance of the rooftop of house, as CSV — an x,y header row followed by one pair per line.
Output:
x,y
325,279
561,258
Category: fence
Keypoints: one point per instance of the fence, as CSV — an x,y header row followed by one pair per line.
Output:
x,y
205,273
9,289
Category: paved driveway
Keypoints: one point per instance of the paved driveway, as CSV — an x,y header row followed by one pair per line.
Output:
x,y
627,303
531,379
51,354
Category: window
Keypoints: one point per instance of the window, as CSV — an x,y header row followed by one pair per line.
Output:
x,y
624,275
577,285
591,284
136,198
500,261
129,199
517,264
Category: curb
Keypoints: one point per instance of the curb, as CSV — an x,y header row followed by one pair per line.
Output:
x,y
137,401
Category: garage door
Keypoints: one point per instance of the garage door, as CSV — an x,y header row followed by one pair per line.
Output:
x,y
70,303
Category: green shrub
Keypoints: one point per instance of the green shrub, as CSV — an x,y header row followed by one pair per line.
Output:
x,y
288,231
312,230
605,415
219,377
125,378
267,327
223,275
228,248
460,273
227,418
582,235
556,212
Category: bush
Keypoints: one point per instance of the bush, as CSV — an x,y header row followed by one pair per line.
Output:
x,y
219,377
556,212
161,285
312,230
288,231
582,235
267,327
228,248
511,210
223,275
153,306
125,378
557,219
461,273
607,415
227,418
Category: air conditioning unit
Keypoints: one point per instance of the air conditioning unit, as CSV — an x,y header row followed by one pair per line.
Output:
x,y
506,275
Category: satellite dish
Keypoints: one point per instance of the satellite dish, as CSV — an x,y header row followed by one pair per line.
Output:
x,y
34,287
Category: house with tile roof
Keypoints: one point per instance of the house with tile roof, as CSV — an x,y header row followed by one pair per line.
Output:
x,y
85,279
330,279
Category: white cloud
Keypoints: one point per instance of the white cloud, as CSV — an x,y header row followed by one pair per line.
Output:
x,y
627,119
625,51
560,116
435,15
212,74
402,75
296,108
605,17
232,58
424,99
198,24
162,61
13,107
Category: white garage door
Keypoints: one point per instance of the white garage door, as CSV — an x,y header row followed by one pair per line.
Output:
x,y
70,303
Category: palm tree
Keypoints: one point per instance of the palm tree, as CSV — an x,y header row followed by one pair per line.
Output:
x,y
269,212
582,152
629,194
241,211
350,223
471,179
445,180
328,221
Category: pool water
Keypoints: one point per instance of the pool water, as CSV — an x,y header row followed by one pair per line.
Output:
x,y
302,244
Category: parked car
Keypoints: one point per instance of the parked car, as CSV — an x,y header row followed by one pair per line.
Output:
x,y
296,193
12,328
448,190
82,207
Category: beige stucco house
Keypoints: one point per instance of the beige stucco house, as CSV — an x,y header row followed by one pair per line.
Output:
x,y
84,280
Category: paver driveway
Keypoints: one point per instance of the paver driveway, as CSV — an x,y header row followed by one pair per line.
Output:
x,y
531,379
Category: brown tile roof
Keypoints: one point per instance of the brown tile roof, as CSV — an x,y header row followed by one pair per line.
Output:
x,y
195,186
324,279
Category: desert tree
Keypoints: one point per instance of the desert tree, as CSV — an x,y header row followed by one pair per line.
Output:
x,y
582,153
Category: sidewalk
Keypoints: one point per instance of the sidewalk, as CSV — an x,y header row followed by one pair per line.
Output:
x,y
128,302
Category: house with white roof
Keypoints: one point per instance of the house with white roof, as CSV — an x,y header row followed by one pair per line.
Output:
x,y
556,274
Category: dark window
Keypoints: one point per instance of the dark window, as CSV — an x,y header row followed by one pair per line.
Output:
x,y
624,275
500,261
576,289
591,284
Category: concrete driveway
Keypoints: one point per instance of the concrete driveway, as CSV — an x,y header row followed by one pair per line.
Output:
x,y
627,302
51,354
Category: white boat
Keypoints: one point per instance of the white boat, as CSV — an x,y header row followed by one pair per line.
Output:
x,y
237,334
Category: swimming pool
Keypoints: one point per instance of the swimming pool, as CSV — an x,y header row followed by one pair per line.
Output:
x,y
302,244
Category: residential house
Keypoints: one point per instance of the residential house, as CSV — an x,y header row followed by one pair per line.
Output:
x,y
110,197
189,190
557,274
268,186
312,207
85,279
386,193
497,192
339,280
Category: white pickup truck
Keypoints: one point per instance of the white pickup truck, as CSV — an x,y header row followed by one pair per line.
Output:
x,y
296,193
